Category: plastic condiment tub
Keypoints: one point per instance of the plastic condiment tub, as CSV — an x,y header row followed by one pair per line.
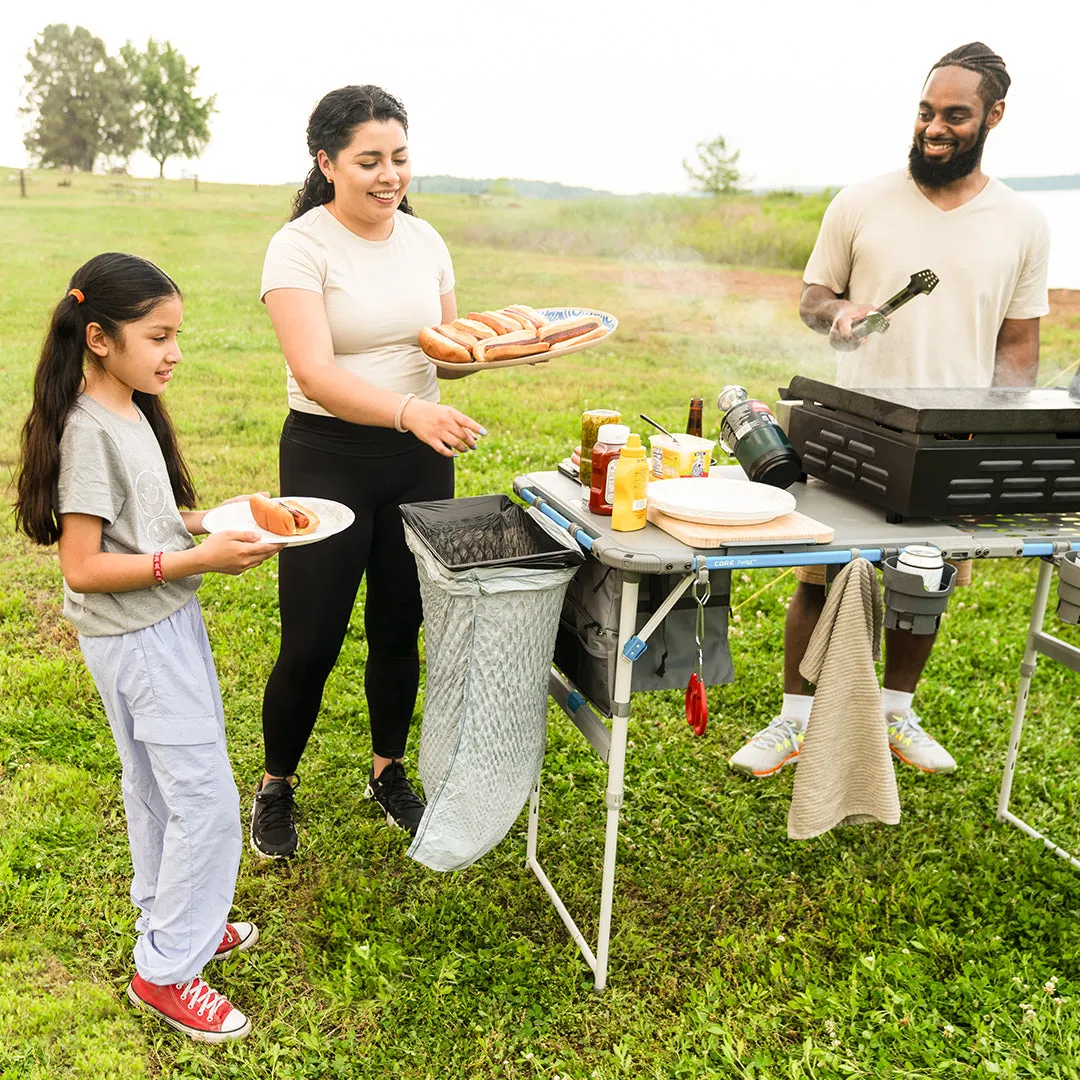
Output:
x,y
690,456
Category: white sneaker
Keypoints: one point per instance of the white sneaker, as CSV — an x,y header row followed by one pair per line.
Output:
x,y
770,749
913,746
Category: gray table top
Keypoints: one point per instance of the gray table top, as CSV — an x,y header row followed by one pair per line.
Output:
x,y
857,525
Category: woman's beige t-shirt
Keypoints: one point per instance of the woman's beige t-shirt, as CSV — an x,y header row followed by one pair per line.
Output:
x,y
379,295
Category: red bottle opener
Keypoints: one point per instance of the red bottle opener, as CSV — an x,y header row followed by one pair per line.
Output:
x,y
697,704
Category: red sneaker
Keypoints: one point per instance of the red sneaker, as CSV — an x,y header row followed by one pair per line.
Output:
x,y
238,937
192,1007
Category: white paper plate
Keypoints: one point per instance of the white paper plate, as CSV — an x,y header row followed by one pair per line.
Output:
x,y
333,518
712,501
558,314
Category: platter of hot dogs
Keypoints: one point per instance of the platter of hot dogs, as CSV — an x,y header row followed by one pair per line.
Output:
x,y
514,335
296,521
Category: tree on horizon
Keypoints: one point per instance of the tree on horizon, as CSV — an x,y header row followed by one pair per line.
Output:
x,y
81,100
716,170
173,121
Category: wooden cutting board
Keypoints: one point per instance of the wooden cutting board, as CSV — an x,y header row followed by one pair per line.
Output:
x,y
789,527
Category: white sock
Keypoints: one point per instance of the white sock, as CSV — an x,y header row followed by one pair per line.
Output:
x,y
895,702
797,707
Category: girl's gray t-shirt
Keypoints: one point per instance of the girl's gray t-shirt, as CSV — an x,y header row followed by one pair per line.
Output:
x,y
113,468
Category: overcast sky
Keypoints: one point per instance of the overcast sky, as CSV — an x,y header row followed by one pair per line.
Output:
x,y
606,95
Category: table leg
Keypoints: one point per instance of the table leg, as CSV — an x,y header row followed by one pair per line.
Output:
x,y
620,719
1027,670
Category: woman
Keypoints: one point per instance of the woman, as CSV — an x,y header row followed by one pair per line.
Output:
x,y
349,282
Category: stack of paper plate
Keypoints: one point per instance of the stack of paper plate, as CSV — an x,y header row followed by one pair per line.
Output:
x,y
713,501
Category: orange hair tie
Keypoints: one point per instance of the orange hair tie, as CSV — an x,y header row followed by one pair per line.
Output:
x,y
77,293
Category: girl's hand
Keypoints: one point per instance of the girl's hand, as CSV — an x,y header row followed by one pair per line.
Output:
x,y
442,427
234,551
244,498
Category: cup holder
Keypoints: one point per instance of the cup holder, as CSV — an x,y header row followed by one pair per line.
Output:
x,y
909,605
1069,589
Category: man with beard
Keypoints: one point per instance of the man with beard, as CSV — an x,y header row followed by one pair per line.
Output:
x,y
979,328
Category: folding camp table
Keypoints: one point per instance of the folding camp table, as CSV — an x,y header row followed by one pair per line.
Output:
x,y
860,531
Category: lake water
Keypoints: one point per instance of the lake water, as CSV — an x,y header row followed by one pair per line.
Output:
x,y
1062,209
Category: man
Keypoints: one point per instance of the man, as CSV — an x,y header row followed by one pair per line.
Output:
x,y
979,328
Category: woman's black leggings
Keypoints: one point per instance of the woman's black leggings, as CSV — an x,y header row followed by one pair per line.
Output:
x,y
373,471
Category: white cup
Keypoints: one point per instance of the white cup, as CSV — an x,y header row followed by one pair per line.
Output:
x,y
924,560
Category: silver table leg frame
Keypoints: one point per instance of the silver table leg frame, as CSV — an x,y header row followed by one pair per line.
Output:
x,y
1037,641
615,756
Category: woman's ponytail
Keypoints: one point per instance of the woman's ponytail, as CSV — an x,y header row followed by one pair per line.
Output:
x,y
315,191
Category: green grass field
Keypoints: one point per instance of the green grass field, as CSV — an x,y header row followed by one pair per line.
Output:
x,y
945,947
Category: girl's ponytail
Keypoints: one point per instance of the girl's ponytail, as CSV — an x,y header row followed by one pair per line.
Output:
x,y
110,290
57,382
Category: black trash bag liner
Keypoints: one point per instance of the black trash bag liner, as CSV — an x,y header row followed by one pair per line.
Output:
x,y
484,531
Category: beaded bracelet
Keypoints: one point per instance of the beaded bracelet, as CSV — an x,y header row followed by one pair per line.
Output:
x,y
406,398
158,576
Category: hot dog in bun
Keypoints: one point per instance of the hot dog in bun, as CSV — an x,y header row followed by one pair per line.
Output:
x,y
523,311
480,331
592,335
456,333
439,346
571,330
501,324
509,346
283,517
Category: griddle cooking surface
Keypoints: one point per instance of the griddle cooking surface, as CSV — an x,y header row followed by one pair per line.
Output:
x,y
1005,410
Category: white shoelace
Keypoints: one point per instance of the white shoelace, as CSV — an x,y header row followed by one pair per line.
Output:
x,y
780,729
909,726
203,998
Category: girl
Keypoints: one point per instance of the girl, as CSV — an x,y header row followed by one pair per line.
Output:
x,y
102,476
349,283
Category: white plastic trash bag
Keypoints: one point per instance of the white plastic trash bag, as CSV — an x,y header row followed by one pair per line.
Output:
x,y
489,635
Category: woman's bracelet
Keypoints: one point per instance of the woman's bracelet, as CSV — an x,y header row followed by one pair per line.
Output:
x,y
405,399
159,577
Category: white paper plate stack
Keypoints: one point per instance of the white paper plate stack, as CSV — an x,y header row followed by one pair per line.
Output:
x,y
712,501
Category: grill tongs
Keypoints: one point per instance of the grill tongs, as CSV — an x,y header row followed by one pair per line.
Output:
x,y
877,321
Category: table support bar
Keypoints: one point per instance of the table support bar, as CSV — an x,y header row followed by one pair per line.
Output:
x,y
534,865
584,719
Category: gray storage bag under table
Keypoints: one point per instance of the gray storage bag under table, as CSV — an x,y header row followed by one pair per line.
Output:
x,y
492,579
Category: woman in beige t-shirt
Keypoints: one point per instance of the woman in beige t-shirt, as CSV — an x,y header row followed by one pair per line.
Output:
x,y
349,282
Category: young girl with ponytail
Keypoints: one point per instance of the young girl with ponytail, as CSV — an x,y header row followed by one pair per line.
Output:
x,y
101,476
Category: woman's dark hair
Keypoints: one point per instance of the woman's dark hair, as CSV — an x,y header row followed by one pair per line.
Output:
x,y
331,128
116,289
994,80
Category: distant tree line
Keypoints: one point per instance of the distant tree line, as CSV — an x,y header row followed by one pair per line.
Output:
x,y
504,187
86,105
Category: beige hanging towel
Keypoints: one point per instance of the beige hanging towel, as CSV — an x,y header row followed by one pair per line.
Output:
x,y
845,771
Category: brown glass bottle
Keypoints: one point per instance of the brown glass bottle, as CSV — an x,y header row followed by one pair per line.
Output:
x,y
693,420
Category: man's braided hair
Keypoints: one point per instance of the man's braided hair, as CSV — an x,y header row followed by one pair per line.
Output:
x,y
975,56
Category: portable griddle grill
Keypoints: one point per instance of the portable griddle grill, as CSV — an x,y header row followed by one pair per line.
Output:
x,y
941,452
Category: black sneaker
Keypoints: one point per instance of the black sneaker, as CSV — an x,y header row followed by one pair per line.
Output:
x,y
394,794
273,829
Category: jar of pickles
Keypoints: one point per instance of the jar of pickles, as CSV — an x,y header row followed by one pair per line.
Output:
x,y
591,422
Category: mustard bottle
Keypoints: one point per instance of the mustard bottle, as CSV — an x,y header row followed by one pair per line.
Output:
x,y
631,486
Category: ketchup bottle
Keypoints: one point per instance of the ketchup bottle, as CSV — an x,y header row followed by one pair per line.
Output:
x,y
610,440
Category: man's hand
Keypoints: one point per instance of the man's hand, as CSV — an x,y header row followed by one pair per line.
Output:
x,y
826,313
840,335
